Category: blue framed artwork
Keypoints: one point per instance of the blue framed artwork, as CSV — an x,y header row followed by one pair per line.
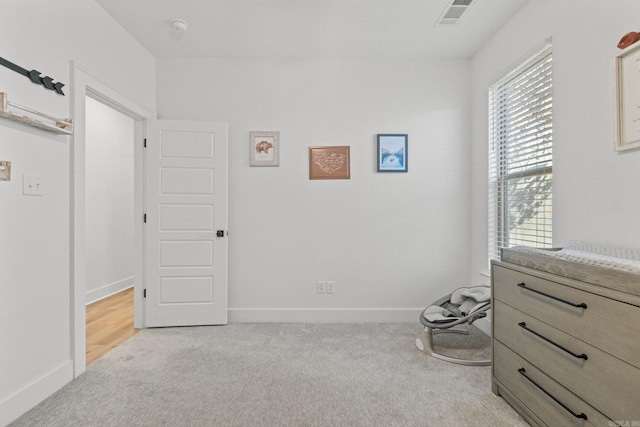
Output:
x,y
392,153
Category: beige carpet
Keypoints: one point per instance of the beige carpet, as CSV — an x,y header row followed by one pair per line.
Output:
x,y
279,375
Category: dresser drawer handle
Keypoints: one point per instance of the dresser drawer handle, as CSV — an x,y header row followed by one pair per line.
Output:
x,y
579,356
582,305
555,399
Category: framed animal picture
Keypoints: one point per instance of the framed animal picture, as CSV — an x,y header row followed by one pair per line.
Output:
x,y
264,148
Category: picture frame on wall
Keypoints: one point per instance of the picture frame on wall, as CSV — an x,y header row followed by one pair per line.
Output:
x,y
393,153
264,148
627,105
331,162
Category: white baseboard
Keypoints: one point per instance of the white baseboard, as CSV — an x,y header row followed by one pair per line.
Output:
x,y
323,315
29,396
108,290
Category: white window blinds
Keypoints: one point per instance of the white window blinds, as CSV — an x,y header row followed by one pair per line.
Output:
x,y
520,156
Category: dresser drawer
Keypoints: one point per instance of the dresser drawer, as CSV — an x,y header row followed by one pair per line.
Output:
x,y
506,370
607,324
542,345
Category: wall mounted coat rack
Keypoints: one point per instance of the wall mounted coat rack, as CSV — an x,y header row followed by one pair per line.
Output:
x,y
34,76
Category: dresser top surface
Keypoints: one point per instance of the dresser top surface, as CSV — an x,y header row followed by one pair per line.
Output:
x,y
612,268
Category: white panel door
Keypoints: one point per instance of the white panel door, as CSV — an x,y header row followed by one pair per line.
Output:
x,y
186,206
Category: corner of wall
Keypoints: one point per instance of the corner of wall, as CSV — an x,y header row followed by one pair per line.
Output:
x,y
29,396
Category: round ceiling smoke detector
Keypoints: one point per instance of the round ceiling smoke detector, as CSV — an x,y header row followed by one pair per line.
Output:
x,y
179,25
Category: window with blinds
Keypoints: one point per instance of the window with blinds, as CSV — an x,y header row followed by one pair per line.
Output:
x,y
520,156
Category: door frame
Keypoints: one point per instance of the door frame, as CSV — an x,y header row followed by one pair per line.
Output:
x,y
84,84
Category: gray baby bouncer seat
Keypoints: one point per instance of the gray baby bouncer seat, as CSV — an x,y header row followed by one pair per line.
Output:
x,y
462,307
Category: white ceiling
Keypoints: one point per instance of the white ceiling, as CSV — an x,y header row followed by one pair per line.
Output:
x,y
402,29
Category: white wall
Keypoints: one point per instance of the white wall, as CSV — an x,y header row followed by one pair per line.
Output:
x,y
391,242
35,348
109,201
596,197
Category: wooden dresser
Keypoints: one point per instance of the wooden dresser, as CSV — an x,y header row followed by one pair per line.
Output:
x,y
566,352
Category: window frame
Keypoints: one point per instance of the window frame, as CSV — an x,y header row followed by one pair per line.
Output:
x,y
540,145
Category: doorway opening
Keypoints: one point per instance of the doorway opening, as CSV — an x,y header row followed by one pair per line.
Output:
x,y
109,227
87,89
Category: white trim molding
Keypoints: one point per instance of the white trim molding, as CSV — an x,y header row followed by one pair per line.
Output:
x,y
325,315
109,289
29,396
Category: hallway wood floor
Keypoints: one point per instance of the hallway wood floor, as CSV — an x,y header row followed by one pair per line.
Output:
x,y
109,324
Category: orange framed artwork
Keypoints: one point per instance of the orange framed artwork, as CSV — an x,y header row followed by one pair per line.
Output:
x,y
330,162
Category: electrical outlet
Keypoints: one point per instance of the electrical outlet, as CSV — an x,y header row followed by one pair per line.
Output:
x,y
331,287
321,287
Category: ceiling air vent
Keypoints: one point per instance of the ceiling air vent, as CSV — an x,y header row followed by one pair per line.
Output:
x,y
453,12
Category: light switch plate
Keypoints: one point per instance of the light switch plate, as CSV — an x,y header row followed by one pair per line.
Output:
x,y
5,170
31,185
